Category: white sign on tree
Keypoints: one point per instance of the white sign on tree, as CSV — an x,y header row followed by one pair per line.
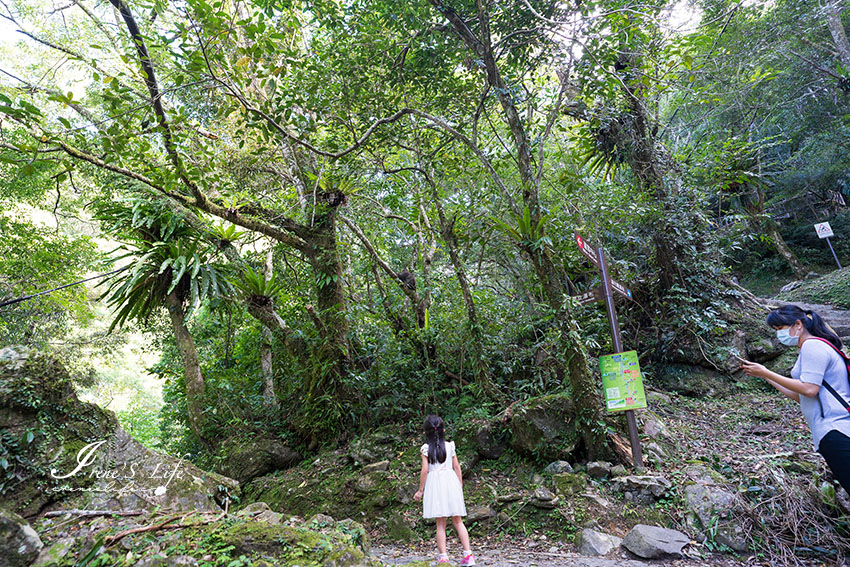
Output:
x,y
824,230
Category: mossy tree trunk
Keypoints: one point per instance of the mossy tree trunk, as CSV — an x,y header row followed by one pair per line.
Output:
x,y
323,255
266,354
650,164
761,222
193,376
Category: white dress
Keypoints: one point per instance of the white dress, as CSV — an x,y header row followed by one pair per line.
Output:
x,y
443,496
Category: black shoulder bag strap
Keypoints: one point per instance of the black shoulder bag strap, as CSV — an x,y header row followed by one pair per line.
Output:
x,y
826,385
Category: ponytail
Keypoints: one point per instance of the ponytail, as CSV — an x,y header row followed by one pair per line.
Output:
x,y
819,328
789,314
435,434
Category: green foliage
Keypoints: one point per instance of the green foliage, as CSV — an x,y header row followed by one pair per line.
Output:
x,y
259,104
166,257
527,234
142,423
226,233
253,284
800,233
33,259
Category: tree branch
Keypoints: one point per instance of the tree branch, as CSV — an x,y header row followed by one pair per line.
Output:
x,y
411,293
485,161
200,198
208,206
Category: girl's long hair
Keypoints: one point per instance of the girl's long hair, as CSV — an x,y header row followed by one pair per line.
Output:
x,y
435,435
814,323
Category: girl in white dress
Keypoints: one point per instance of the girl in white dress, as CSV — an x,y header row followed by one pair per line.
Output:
x,y
441,484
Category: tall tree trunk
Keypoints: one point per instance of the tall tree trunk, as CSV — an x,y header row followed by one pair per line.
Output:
x,y
480,364
650,169
194,378
836,29
266,355
323,254
583,386
762,223
772,230
397,322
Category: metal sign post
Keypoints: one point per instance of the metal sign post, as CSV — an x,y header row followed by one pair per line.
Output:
x,y
605,293
825,231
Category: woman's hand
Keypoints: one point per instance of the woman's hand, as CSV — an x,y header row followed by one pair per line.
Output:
x,y
754,369
417,496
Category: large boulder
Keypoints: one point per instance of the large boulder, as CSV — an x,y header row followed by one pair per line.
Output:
x,y
490,441
653,542
71,454
558,467
599,469
19,544
710,508
544,498
237,540
545,427
653,427
480,514
642,489
570,484
247,459
379,445
398,528
593,543
694,381
706,503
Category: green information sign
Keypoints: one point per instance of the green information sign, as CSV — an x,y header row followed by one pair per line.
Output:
x,y
622,381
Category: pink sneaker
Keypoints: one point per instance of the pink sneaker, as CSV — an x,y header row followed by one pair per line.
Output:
x,y
468,560
443,560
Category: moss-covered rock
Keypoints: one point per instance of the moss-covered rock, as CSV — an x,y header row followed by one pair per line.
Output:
x,y
245,459
570,484
357,532
829,289
333,546
19,544
545,427
692,380
481,438
66,451
247,542
398,528
343,492
55,552
379,445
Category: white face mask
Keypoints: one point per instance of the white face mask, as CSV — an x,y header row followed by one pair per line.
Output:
x,y
786,338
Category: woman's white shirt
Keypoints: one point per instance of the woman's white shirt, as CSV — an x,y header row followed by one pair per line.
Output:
x,y
818,362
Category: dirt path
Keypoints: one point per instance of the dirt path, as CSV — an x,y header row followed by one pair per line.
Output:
x,y
554,556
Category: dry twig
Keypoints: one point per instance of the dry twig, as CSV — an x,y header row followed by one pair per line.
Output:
x,y
792,522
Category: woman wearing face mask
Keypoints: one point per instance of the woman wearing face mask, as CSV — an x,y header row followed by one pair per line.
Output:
x,y
819,381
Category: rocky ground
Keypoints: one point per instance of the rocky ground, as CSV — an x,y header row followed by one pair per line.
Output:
x,y
512,554
831,289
